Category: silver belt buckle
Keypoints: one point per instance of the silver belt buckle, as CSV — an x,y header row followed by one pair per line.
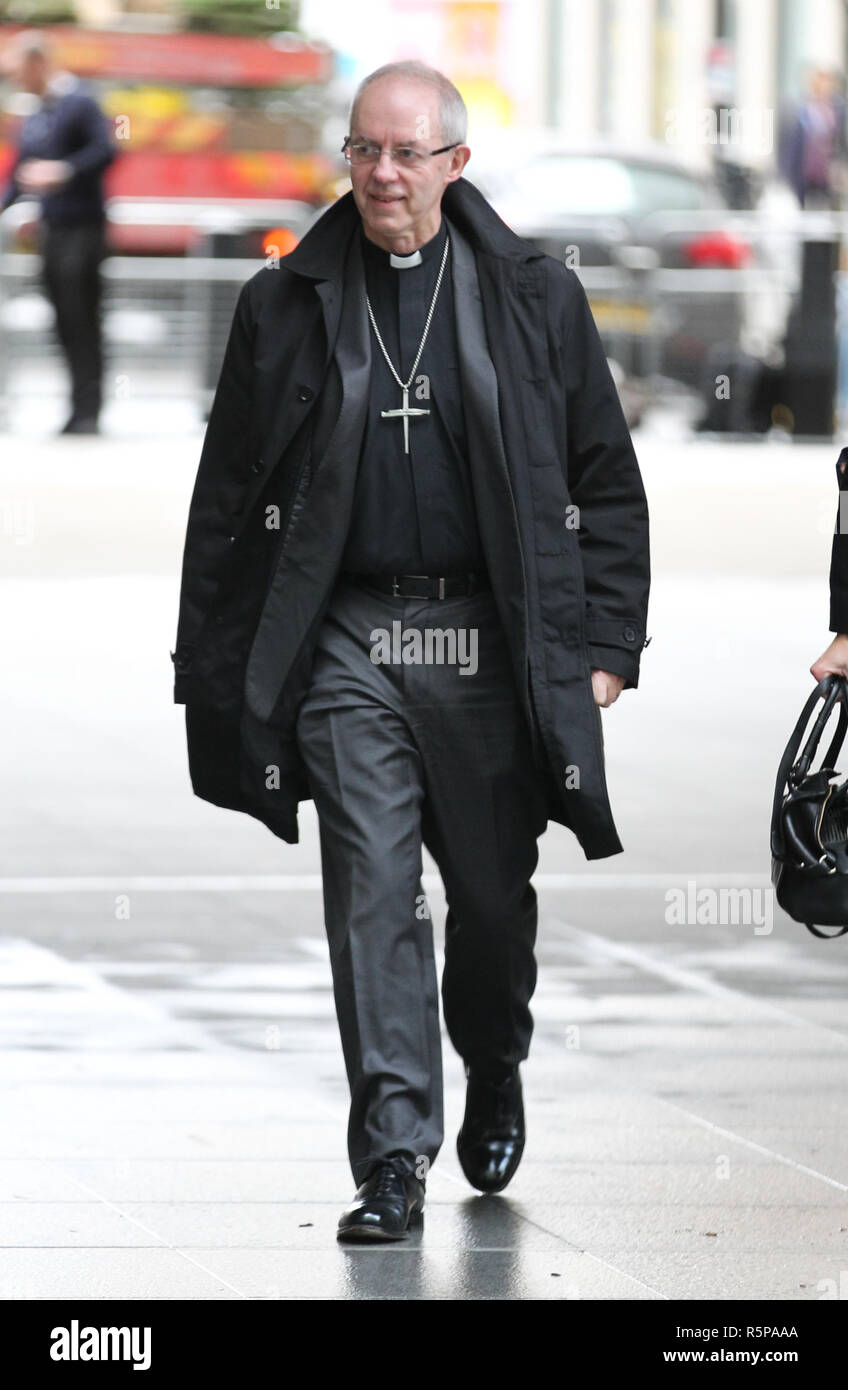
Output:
x,y
441,586
408,576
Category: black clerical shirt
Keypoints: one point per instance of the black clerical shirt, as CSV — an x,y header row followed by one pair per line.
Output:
x,y
413,513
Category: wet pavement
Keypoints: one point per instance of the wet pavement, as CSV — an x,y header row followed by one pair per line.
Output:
x,y
173,1090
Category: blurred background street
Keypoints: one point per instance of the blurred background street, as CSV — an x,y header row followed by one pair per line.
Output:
x,y
174,1095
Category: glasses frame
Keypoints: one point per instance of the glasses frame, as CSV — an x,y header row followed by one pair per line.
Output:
x,y
425,154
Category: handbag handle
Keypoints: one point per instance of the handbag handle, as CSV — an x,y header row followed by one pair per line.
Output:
x,y
836,692
830,689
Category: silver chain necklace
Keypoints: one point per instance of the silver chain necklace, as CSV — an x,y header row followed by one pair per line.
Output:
x,y
406,410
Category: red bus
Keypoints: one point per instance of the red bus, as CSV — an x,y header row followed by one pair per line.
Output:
x,y
200,115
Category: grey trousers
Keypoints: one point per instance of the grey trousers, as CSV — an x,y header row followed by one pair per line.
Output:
x,y
403,753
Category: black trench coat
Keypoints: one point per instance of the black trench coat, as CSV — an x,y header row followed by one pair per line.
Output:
x,y
571,597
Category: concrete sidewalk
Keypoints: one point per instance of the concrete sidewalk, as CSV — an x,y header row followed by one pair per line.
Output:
x,y
175,1118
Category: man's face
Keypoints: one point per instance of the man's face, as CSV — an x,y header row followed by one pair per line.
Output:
x,y
401,207
29,72
820,88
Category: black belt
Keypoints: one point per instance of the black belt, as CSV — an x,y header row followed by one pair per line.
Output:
x,y
423,585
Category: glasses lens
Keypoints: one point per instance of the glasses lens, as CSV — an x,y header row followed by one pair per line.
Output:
x,y
363,152
367,152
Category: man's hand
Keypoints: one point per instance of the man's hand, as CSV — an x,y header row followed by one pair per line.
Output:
x,y
834,661
42,175
607,687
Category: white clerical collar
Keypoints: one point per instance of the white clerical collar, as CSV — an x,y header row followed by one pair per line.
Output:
x,y
404,262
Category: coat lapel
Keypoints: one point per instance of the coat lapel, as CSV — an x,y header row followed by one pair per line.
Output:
x,y
497,517
307,367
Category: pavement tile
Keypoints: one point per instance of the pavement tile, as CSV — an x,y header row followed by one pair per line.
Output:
x,y
107,1274
406,1270
619,1230
773,1275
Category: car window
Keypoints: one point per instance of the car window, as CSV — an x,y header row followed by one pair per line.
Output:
x,y
561,184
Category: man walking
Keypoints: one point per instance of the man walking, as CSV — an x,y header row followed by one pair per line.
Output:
x,y
416,563
64,147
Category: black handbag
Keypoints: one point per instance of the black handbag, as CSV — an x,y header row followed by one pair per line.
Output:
x,y
809,823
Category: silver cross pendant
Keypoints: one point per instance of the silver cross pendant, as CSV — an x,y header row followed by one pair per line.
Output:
x,y
404,413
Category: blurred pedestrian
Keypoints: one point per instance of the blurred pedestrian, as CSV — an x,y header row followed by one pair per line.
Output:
x,y
814,143
64,147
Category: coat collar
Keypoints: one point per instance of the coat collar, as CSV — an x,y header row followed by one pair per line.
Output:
x,y
321,253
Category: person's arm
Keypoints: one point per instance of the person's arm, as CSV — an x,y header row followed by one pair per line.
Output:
x,y
834,659
605,483
85,121
840,151
96,150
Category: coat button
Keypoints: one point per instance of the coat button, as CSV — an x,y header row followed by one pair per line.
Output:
x,y
629,634
257,465
305,393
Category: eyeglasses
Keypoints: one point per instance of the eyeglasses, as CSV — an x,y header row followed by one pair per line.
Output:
x,y
403,156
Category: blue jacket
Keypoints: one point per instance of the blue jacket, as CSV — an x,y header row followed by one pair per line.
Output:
x,y
68,126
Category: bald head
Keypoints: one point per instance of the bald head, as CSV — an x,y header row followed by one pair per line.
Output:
x,y
439,101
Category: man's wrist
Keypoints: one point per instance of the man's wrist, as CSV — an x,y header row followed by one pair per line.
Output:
x,y
615,661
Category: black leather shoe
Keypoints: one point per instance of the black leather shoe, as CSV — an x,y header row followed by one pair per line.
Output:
x,y
387,1203
81,424
491,1140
